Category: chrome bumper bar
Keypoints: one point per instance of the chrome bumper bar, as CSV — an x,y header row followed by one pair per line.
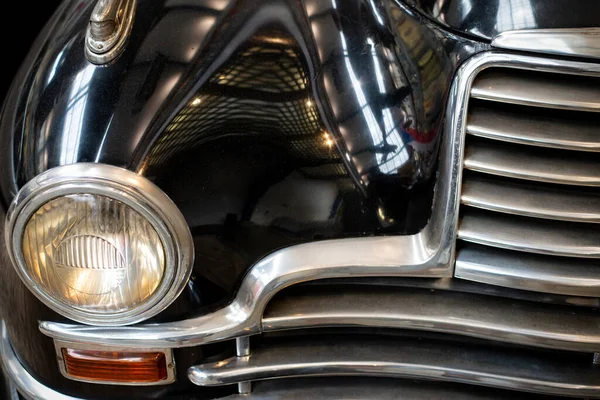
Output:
x,y
353,388
512,369
472,315
20,378
362,257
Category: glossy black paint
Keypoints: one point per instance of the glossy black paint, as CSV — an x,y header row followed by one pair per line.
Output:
x,y
488,18
269,123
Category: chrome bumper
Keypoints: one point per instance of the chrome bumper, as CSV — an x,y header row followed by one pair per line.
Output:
x,y
20,379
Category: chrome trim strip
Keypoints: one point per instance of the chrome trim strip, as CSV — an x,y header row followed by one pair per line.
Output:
x,y
500,158
25,383
427,254
135,191
560,275
514,369
522,198
169,360
553,92
531,235
529,128
481,316
382,256
580,42
353,388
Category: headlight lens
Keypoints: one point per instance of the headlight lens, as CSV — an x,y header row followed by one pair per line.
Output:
x,y
93,253
99,244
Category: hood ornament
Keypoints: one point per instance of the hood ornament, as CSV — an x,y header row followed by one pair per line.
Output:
x,y
108,30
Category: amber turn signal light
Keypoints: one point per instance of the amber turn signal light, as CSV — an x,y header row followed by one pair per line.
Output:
x,y
115,366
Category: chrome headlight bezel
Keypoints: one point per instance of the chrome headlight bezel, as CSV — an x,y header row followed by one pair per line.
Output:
x,y
134,191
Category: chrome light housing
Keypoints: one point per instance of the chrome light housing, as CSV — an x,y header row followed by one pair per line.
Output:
x,y
99,244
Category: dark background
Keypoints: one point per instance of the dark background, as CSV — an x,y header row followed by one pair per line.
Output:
x,y
29,18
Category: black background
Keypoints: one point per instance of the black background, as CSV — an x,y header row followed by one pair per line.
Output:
x,y
29,18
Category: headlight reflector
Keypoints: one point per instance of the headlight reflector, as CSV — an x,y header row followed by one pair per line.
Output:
x,y
93,253
99,244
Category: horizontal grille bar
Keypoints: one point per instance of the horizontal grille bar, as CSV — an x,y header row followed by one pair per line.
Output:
x,y
530,204
521,198
529,234
378,357
538,89
356,388
527,127
559,275
480,316
497,158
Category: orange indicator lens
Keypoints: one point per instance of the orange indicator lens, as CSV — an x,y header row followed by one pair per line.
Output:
x,y
115,366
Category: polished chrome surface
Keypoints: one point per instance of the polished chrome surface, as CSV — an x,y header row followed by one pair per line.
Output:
x,y
512,161
133,190
242,349
540,90
355,388
25,383
169,360
580,42
109,29
564,217
8,390
577,277
383,256
530,234
481,316
502,368
244,387
475,288
521,198
242,346
541,130
429,253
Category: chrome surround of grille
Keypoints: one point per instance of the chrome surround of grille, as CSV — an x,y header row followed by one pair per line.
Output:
x,y
503,227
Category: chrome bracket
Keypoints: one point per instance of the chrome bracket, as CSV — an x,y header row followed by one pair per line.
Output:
x,y
108,30
242,349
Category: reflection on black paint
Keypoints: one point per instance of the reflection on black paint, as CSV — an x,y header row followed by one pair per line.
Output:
x,y
268,123
264,172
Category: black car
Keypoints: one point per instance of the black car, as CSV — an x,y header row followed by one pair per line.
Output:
x,y
304,199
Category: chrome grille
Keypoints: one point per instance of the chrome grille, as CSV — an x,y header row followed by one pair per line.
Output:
x,y
530,196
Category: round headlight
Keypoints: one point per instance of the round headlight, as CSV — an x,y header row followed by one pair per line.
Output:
x,y
99,244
